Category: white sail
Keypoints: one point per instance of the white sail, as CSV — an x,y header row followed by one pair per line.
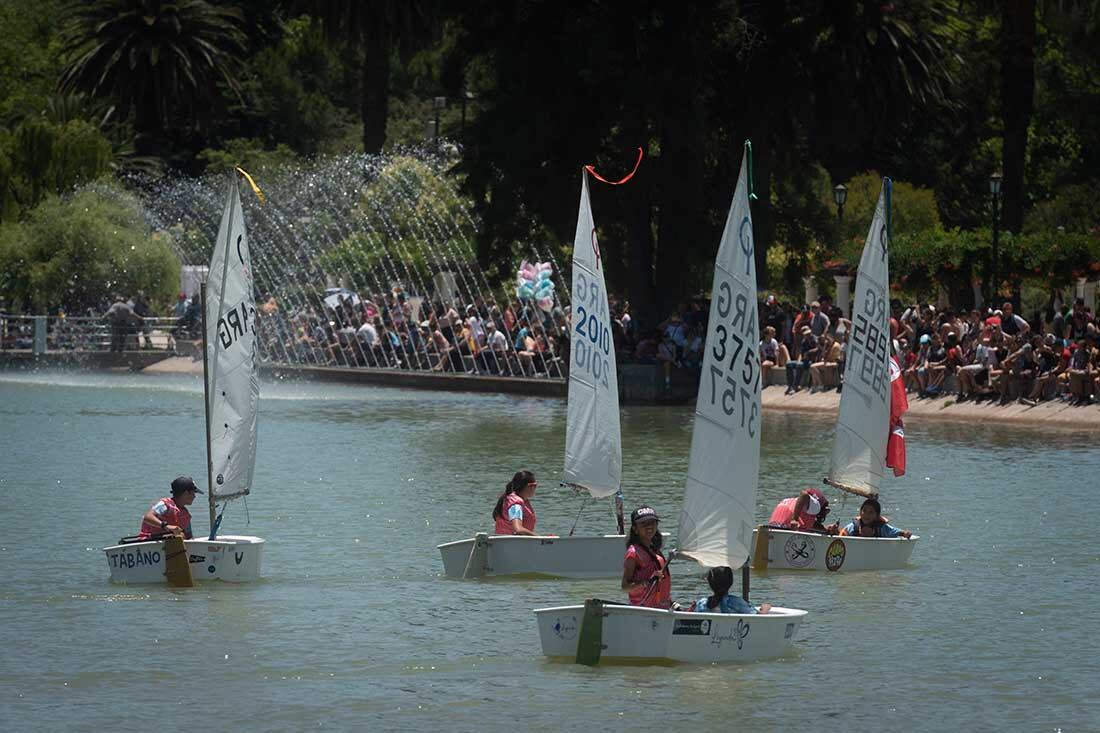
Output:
x,y
859,449
233,387
720,496
593,443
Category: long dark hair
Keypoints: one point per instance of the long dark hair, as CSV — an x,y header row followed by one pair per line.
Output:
x,y
632,538
521,479
720,580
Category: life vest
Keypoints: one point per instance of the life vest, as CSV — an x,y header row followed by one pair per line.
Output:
x,y
784,512
648,562
857,525
504,524
176,515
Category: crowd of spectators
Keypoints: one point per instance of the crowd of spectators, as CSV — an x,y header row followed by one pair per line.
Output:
x,y
999,355
397,331
980,354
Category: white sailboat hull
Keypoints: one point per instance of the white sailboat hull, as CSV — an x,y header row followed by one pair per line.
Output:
x,y
232,558
557,557
790,550
632,634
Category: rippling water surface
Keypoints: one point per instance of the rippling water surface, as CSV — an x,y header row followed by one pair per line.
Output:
x,y
352,627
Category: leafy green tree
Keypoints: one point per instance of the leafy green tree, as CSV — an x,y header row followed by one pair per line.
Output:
x,y
42,157
1072,209
161,60
411,218
28,56
77,252
1017,101
914,208
289,90
248,154
377,29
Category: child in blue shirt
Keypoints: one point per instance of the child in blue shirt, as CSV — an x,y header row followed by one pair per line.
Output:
x,y
871,523
720,580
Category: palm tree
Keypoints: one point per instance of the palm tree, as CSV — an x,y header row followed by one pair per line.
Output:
x,y
160,60
377,28
1017,101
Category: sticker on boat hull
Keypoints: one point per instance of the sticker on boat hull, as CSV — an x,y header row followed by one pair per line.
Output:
x,y
566,628
736,634
799,551
834,556
692,627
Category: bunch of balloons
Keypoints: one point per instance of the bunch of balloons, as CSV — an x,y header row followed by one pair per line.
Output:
x,y
533,281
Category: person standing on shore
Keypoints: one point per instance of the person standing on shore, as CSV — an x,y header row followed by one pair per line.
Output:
x,y
121,317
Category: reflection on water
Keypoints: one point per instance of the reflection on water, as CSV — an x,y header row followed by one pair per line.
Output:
x,y
353,626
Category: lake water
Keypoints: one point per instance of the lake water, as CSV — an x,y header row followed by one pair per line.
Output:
x,y
993,627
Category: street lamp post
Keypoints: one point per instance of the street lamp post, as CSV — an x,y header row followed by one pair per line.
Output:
x,y
840,195
995,194
467,96
438,103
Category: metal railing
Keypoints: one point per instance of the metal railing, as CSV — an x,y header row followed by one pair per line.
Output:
x,y
42,334
279,342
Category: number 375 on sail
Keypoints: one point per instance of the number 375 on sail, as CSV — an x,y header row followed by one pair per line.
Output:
x,y
733,366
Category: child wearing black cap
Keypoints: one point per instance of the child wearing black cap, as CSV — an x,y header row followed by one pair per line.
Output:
x,y
645,573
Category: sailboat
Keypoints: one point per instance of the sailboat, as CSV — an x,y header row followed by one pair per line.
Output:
x,y
715,525
859,447
593,441
231,398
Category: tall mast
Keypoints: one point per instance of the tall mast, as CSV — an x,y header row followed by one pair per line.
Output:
x,y
206,386
206,408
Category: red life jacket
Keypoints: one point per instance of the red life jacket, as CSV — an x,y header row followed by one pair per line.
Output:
x,y
504,524
784,512
648,562
176,515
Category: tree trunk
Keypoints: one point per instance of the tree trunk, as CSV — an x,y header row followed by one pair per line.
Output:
x,y
763,224
148,126
374,105
638,210
1017,102
679,190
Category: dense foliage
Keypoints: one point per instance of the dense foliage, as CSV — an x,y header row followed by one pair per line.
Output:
x,y
936,94
75,253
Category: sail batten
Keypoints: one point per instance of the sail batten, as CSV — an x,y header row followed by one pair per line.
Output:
x,y
720,493
593,442
859,448
232,382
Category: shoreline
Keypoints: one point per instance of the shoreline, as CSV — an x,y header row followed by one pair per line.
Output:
x,y
1045,414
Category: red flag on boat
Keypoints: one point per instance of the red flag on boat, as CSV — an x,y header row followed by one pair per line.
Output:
x,y
899,403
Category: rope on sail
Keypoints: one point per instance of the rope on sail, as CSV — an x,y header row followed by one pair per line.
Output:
x,y
578,516
592,169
